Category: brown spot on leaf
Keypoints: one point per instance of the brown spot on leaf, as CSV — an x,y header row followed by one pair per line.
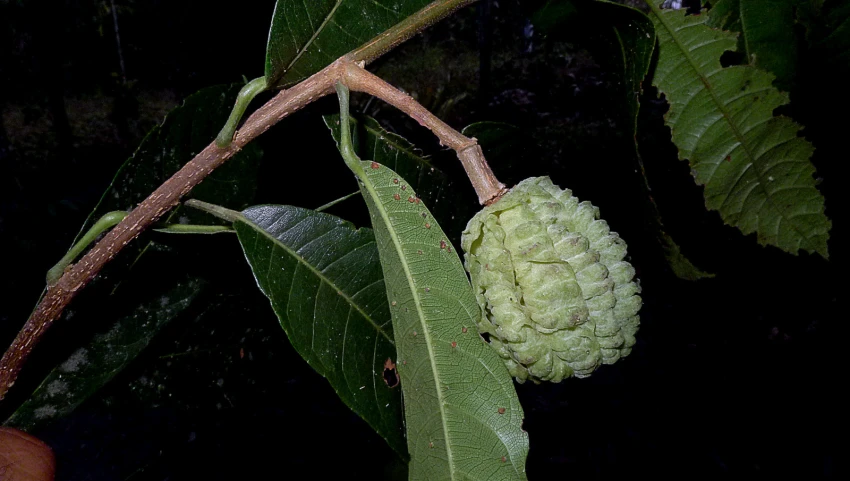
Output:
x,y
464,330
442,244
419,252
390,373
454,344
501,410
395,181
396,197
404,187
427,225
410,199
376,165
504,459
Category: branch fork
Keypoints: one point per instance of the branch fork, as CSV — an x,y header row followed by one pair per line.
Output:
x,y
348,70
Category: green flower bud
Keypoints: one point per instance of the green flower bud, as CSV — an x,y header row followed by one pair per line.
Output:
x,y
558,298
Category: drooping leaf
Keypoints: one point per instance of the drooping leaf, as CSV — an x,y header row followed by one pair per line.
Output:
x,y
325,285
451,200
461,411
766,29
754,166
306,36
93,365
185,131
462,416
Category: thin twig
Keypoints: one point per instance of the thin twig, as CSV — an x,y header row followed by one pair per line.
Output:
x,y
486,185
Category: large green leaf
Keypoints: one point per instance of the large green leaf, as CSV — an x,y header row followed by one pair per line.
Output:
x,y
186,130
451,201
325,285
767,35
306,36
93,365
463,418
754,166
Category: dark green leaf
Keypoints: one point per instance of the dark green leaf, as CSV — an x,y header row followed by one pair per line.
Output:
x,y
754,166
766,30
325,285
93,365
306,36
185,131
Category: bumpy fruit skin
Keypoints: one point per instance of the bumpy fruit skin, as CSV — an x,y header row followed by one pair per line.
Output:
x,y
557,296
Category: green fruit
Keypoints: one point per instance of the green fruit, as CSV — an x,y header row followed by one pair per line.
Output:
x,y
558,298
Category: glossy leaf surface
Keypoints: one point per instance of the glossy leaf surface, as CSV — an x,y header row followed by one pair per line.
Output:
x,y
754,166
306,36
325,285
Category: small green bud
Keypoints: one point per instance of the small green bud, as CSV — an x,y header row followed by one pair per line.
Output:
x,y
557,297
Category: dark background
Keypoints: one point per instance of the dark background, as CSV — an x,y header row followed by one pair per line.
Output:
x,y
732,376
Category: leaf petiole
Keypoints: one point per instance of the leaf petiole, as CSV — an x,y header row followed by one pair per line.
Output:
x,y
106,222
246,95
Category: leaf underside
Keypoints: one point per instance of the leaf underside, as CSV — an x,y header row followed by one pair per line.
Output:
x,y
754,166
324,282
462,415
306,36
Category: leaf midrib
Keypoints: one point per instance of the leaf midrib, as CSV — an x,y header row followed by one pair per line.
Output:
x,y
367,182
312,39
727,117
318,274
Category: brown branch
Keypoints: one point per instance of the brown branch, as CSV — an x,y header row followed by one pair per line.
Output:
x,y
486,185
286,102
149,211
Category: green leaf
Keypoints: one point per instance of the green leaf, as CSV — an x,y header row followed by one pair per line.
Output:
x,y
325,285
766,30
306,36
93,365
754,166
452,203
185,131
461,411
